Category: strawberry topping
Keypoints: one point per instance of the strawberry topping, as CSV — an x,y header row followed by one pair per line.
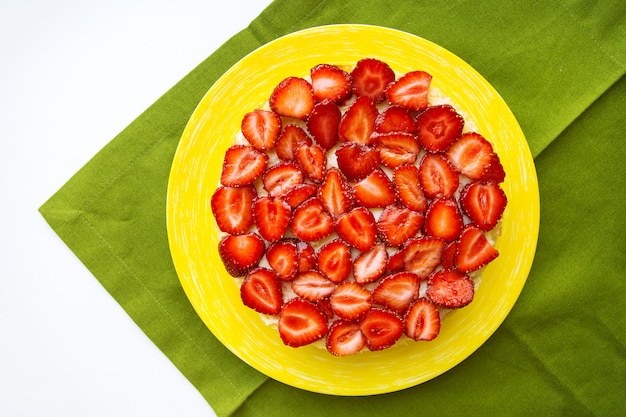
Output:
x,y
358,122
241,253
335,261
350,301
261,128
289,139
292,97
232,208
271,216
345,338
438,127
323,124
356,161
483,203
443,220
312,161
312,286
396,148
335,193
310,222
421,321
301,323
370,78
474,250
408,189
299,193
397,224
396,292
261,290
381,329
410,91
330,83
283,257
422,255
242,165
357,228
450,289
473,156
370,265
375,190
395,119
282,178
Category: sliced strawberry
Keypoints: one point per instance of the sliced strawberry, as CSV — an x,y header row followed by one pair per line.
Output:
x,y
473,156
410,90
370,78
483,204
397,224
474,250
335,193
301,323
323,124
330,83
324,307
422,255
307,256
284,259
350,301
358,122
443,220
395,119
438,127
357,228
310,222
334,260
312,162
396,148
271,216
312,285
397,291
437,177
421,321
242,165
396,262
408,189
344,338
232,208
447,257
449,288
381,329
282,178
299,193
261,128
289,139
261,290
370,265
241,253
356,161
292,97
375,190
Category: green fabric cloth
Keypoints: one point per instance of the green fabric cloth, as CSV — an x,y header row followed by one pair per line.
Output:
x,y
561,351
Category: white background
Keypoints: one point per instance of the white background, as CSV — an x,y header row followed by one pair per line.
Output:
x,y
73,74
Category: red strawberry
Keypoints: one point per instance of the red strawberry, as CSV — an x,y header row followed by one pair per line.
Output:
x,y
310,222
437,177
271,216
357,228
375,190
330,83
410,90
292,97
397,291
381,329
473,156
241,253
449,288
358,122
312,161
307,256
370,78
289,139
396,148
396,262
323,124
397,224
395,119
422,255
299,193
438,127
334,260
356,161
483,204
324,307
344,338
447,257
232,208
284,259
261,290
350,301
443,220
421,321
408,189
474,250
261,128
370,265
335,193
242,165
312,286
301,323
282,178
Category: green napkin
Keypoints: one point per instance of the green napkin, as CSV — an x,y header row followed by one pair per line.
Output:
x,y
561,351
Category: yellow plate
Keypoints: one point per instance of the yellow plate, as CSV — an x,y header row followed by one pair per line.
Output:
x,y
193,234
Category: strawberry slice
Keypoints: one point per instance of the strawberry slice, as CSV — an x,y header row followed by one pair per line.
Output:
x,y
323,124
299,193
335,193
357,228
284,259
261,128
261,290
421,321
307,256
358,122
350,301
396,262
437,177
447,257
232,208
483,204
473,156
449,288
344,338
375,190
335,261
310,222
271,216
281,178
301,323
330,83
410,91
396,148
292,97
408,189
241,253
395,119
438,127
422,255
396,292
242,165
324,307
312,161
474,250
381,329
312,286
397,224
356,161
370,78
443,220
370,265
289,139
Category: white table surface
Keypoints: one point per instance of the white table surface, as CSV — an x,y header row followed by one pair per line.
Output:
x,y
73,74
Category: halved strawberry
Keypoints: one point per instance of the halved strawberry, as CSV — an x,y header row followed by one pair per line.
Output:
x,y
410,90
301,323
292,97
323,124
282,178
242,165
241,253
344,338
483,204
422,321
396,262
358,122
312,161
474,250
397,291
261,128
357,228
356,161
370,265
449,288
447,257
310,222
299,193
350,301
261,290
370,78
324,307
397,224
396,148
375,190
438,127
408,189
437,177
422,255
473,156
443,220
232,208
330,83
335,193
312,285
289,139
334,260
271,216
284,259
381,329
395,119
307,256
